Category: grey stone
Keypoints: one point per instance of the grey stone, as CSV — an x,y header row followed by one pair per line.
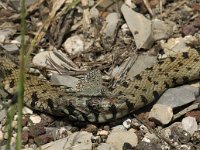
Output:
x,y
139,26
6,32
10,47
112,20
179,96
161,30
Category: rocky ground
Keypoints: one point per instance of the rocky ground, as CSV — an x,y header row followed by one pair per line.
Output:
x,y
121,38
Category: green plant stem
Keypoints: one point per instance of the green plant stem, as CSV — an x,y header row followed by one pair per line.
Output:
x,y
20,87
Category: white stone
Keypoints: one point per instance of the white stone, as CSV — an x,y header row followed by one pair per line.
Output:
x,y
125,28
117,139
102,132
127,123
190,124
161,113
74,45
15,117
27,111
35,119
14,124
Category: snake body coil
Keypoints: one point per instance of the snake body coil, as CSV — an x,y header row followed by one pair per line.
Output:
x,y
145,88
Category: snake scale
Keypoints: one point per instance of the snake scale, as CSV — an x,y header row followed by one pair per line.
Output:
x,y
124,99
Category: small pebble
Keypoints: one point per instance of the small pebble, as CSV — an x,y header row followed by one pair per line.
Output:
x,y
127,123
35,119
144,129
24,121
13,140
96,139
14,124
15,117
135,123
102,133
107,128
27,111
1,135
196,136
5,135
74,45
157,114
149,137
36,130
190,124
59,133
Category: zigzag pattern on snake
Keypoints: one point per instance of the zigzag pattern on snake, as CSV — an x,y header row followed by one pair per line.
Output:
x,y
142,90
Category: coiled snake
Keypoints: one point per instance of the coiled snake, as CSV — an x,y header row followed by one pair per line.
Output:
x,y
124,99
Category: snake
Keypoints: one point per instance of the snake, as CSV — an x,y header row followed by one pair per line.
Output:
x,y
125,98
